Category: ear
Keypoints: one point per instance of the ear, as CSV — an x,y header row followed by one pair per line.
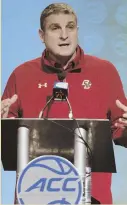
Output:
x,y
41,34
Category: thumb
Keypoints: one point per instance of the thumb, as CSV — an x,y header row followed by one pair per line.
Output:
x,y
121,105
13,99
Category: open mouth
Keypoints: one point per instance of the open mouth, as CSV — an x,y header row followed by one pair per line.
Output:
x,y
64,44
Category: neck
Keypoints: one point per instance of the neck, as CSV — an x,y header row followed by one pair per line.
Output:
x,y
63,61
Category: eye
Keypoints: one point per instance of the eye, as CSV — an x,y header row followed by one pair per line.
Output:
x,y
55,28
71,26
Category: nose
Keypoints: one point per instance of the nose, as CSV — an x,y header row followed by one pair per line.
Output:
x,y
63,34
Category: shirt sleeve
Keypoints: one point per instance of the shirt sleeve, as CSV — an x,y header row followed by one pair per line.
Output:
x,y
117,92
9,91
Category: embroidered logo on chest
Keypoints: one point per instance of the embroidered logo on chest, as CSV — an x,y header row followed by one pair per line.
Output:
x,y
87,84
40,85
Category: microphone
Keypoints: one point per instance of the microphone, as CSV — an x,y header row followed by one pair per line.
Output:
x,y
60,91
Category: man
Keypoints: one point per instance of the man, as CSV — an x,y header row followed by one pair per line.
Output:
x,y
95,88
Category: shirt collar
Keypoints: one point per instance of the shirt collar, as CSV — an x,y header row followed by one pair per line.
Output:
x,y
50,66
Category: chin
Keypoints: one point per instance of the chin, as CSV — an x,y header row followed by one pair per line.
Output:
x,y
66,53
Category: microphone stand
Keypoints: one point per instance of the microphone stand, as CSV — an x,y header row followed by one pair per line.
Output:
x,y
52,98
42,112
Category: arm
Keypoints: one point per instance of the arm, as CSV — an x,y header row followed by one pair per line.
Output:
x,y
117,112
122,123
10,105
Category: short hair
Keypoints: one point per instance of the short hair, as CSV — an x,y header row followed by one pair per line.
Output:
x,y
55,8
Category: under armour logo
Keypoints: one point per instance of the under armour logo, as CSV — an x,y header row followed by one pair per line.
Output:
x,y
87,84
40,85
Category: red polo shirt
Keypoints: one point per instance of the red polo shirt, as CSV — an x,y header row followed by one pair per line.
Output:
x,y
94,86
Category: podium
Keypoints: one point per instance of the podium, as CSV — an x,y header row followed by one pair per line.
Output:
x,y
84,142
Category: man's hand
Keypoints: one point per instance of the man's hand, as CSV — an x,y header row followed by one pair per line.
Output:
x,y
5,105
122,123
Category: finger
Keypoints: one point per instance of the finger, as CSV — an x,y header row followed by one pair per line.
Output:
x,y
119,125
124,121
5,114
121,106
5,103
125,115
14,98
4,109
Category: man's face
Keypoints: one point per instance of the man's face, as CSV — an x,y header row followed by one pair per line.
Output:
x,y
60,34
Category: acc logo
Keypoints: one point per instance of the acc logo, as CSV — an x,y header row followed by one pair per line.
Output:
x,y
49,180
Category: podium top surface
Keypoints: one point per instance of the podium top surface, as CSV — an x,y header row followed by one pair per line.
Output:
x,y
31,119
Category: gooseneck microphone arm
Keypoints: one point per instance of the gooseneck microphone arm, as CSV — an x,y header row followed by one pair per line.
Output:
x,y
70,109
42,111
52,98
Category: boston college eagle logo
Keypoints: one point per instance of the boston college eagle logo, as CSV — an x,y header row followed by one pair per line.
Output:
x,y
87,84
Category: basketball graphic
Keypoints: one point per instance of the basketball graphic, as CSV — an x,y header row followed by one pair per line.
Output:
x,y
49,180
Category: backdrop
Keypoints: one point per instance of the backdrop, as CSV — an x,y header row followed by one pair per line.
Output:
x,y
102,32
